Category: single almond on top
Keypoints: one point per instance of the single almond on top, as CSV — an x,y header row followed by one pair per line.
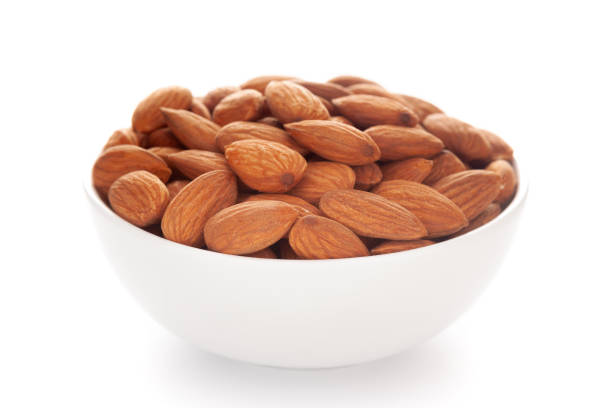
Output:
x,y
321,177
335,141
438,213
245,105
116,161
249,226
261,82
488,214
325,90
193,163
164,152
371,215
419,106
500,150
162,137
212,98
471,190
265,166
389,247
289,199
367,176
235,131
444,164
348,80
315,237
200,109
369,110
175,186
290,102
188,212
508,179
416,169
192,130
139,197
148,117
122,137
461,138
400,142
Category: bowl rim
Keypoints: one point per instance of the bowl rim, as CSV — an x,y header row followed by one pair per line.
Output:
x,y
517,200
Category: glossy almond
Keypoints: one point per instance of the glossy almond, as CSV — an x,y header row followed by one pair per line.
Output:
x,y
400,142
261,82
200,109
471,190
290,102
348,80
289,199
162,137
335,141
389,247
419,106
367,176
122,137
192,130
369,110
249,227
139,197
325,90
371,215
500,150
148,117
508,180
461,138
175,186
315,237
321,177
245,105
438,213
487,215
416,169
195,204
193,163
116,161
212,98
444,164
251,130
266,166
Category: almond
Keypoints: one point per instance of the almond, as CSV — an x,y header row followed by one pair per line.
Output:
x,y
289,199
162,137
188,212
315,237
272,121
192,130
122,137
348,80
369,110
164,152
438,214
371,215
175,186
328,105
444,164
367,176
500,150
290,102
266,166
341,119
321,177
335,141
265,253
488,214
369,89
193,163
212,98
508,180
325,90
250,130
260,83
459,137
471,190
389,247
242,105
148,117
116,161
200,109
419,106
399,142
139,197
249,227
416,169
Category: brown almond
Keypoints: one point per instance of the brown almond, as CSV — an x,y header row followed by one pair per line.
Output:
x,y
367,176
272,121
419,106
212,98
235,131
400,142
321,177
325,90
266,253
389,247
444,164
471,190
175,186
335,141
244,105
266,166
122,137
328,105
371,215
249,227
487,215
500,150
508,180
192,130
200,109
315,237
188,212
416,169
164,152
289,199
193,163
348,80
369,110
162,137
341,119
260,83
461,138
147,117
290,102
370,89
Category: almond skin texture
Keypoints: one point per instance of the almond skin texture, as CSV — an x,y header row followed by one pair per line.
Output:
x,y
175,186
321,177
192,130
289,199
399,142
315,237
471,190
488,214
260,83
116,161
419,106
444,164
508,178
438,214
415,169
249,227
461,138
212,98
162,137
371,215
266,253
265,166
348,80
147,117
139,197
122,137
200,109
335,141
188,212
164,152
369,110
325,90
290,102
245,105
193,163
250,130
389,247
367,176
500,150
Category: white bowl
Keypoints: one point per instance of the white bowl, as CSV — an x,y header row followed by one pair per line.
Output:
x,y
305,313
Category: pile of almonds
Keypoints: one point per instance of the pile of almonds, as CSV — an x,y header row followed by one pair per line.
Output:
x,y
285,168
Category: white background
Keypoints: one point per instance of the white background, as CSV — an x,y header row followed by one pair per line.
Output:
x,y
538,73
